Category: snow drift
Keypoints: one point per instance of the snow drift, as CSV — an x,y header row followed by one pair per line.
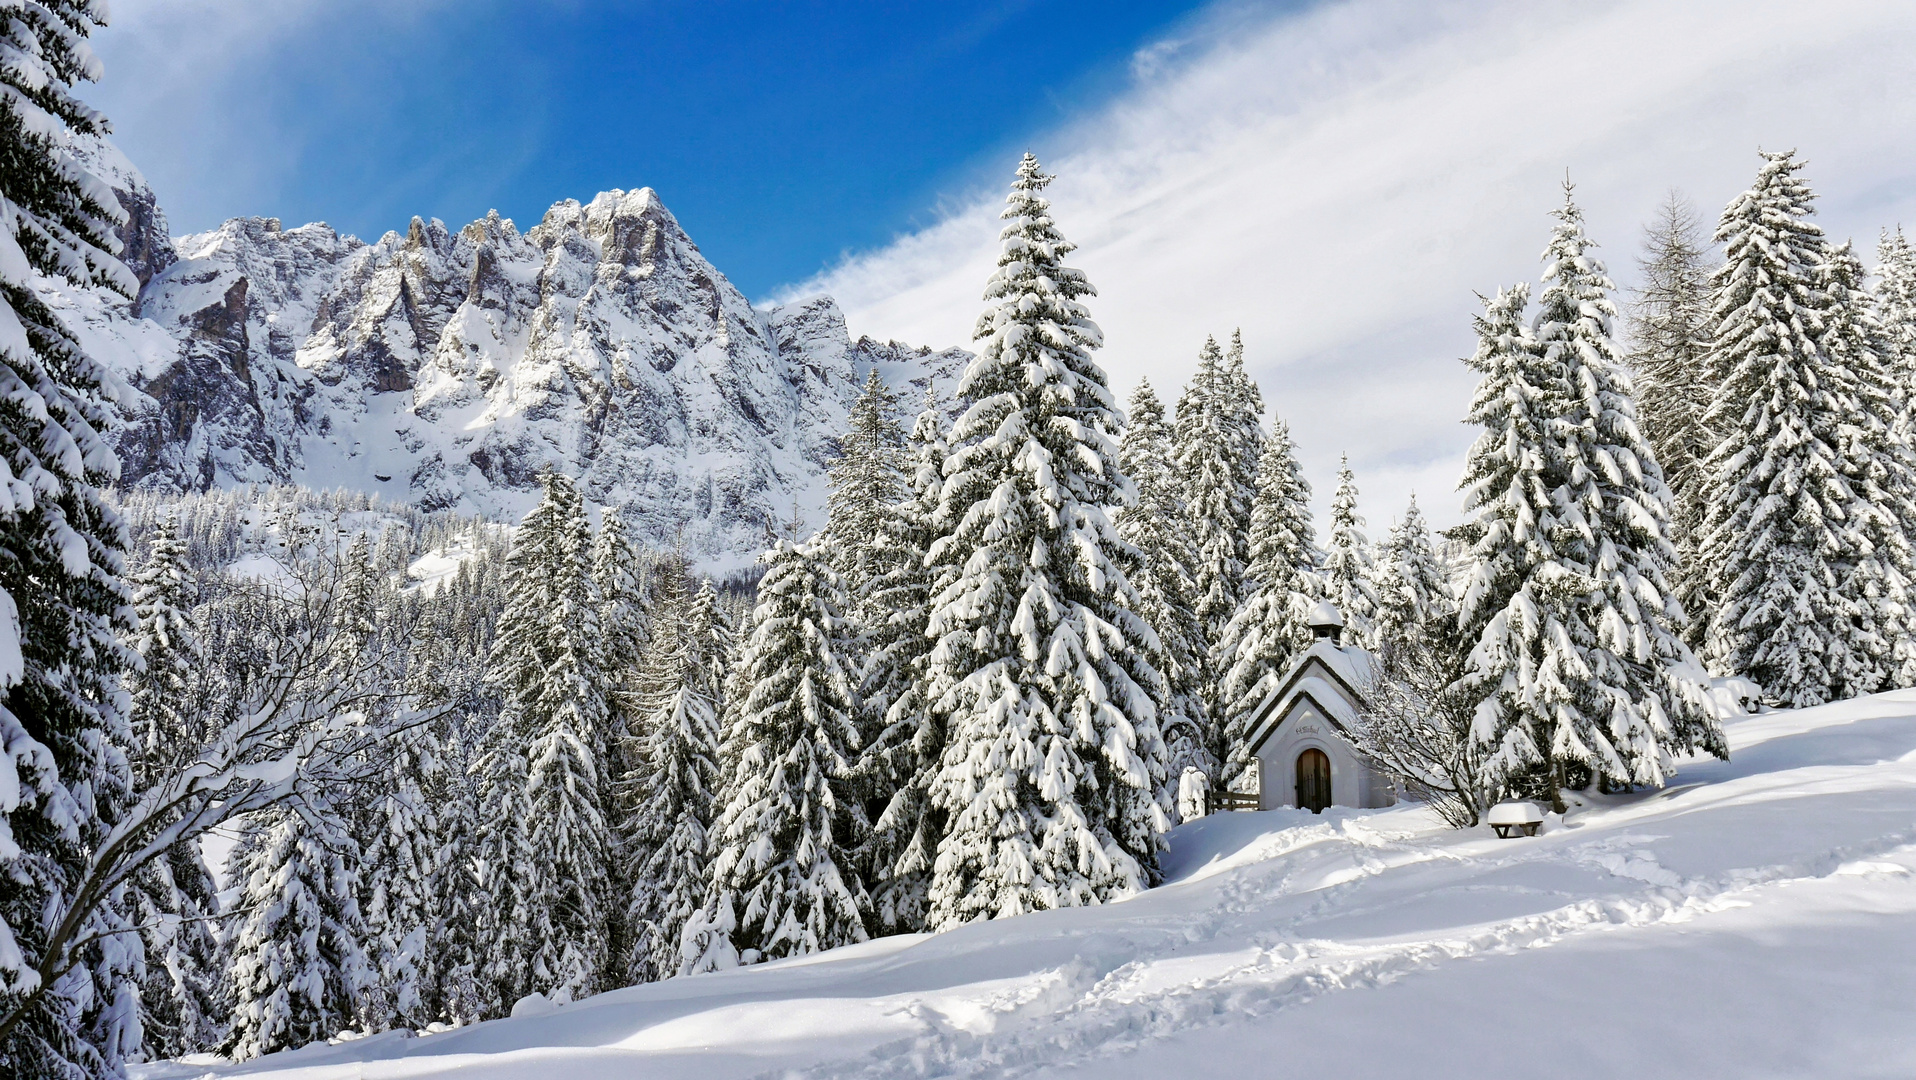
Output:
x,y
1756,919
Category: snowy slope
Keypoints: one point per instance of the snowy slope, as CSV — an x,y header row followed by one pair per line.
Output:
x,y
1757,919
447,369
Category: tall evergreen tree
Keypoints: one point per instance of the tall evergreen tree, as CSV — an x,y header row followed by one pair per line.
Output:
x,y
299,956
1415,606
1669,355
1347,558
173,899
1576,665
673,779
898,767
1896,292
866,482
1266,634
1218,508
1044,671
62,600
405,880
1791,537
1157,526
546,849
783,880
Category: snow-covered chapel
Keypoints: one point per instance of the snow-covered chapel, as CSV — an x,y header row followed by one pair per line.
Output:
x,y
1300,735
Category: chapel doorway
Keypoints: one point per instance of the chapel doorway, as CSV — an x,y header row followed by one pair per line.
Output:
x,y
1313,780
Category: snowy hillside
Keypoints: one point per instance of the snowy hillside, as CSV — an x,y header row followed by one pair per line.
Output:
x,y
447,368
1758,918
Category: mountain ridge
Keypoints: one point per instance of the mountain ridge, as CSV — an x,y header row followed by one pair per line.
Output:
x,y
447,368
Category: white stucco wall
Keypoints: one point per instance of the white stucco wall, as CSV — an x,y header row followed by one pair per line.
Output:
x,y
1305,727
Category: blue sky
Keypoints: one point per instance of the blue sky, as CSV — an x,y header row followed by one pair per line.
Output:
x,y
1339,178
781,134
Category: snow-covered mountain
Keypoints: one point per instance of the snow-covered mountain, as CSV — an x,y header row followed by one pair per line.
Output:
x,y
447,369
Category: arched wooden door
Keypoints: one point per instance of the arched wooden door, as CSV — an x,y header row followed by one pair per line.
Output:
x,y
1313,780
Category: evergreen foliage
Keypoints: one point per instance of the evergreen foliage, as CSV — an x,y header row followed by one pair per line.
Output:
x,y
1415,606
1157,525
1802,530
1218,493
673,778
1348,566
783,873
867,481
1265,636
1044,672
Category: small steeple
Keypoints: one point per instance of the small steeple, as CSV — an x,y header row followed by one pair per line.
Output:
x,y
1326,622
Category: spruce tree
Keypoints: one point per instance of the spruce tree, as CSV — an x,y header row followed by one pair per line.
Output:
x,y
1896,295
1044,672
1792,538
1265,636
1156,525
1347,558
1218,508
62,601
866,481
899,765
783,867
546,849
1415,605
672,780
172,898
405,883
1669,356
299,955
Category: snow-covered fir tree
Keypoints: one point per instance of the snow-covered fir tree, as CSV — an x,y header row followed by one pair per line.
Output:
x,y
1348,565
1157,526
783,872
405,880
300,969
1896,295
1265,635
1044,671
173,898
1793,535
899,765
1218,500
1575,661
1669,357
546,847
63,605
672,779
1855,342
1415,606
866,482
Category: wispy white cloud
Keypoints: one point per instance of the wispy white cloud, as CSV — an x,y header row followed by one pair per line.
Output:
x,y
1338,183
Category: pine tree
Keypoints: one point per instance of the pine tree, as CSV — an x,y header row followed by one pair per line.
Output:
x,y
1415,606
783,867
1210,444
1347,558
1791,538
1896,294
899,765
673,779
1264,637
1156,525
299,957
62,600
405,882
866,482
173,898
547,850
1044,671
1670,344
1575,664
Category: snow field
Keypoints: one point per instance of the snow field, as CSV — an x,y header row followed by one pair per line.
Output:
x,y
1757,918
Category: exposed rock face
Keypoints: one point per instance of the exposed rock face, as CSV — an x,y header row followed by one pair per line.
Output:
x,y
448,369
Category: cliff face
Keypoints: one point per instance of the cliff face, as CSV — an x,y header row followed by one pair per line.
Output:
x,y
448,369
